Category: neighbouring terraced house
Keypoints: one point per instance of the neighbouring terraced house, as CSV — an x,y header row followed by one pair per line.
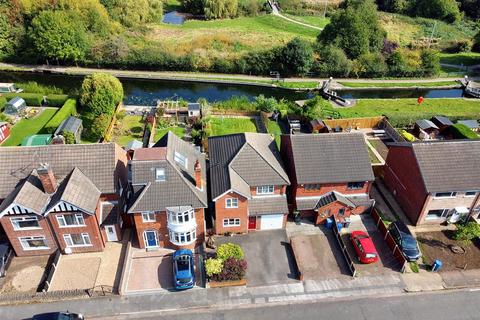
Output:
x,y
435,180
169,194
331,174
248,183
66,197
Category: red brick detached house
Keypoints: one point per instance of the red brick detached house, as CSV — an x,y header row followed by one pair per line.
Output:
x,y
248,183
331,174
435,180
66,197
169,194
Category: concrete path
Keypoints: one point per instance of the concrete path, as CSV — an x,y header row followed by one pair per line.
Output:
x,y
278,14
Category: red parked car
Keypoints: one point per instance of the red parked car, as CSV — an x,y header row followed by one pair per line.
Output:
x,y
364,247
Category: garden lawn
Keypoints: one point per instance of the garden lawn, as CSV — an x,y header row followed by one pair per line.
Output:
x,y
130,128
466,59
220,127
274,128
28,127
311,20
406,111
178,131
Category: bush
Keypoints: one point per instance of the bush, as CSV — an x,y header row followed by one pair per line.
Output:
x,y
467,232
69,137
476,43
460,46
56,100
461,131
333,62
296,57
213,266
235,103
229,250
408,136
233,269
3,102
68,109
265,104
99,127
32,99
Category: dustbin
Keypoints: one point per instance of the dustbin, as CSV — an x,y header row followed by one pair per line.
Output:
x,y
436,265
339,226
329,223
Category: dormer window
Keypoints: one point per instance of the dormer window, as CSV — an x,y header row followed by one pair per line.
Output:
x,y
181,159
160,174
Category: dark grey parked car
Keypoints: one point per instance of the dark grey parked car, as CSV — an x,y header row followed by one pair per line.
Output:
x,y
58,316
405,240
6,254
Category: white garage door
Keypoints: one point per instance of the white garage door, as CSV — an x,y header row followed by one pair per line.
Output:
x,y
269,222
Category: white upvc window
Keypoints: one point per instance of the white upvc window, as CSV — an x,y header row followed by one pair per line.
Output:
x,y
232,222
180,159
70,220
445,194
471,193
182,238
160,174
265,190
437,214
148,216
25,223
231,203
77,240
181,217
34,243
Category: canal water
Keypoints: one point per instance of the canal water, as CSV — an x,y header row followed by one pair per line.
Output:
x,y
147,92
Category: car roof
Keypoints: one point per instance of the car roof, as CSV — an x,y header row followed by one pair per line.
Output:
x,y
365,241
401,227
182,252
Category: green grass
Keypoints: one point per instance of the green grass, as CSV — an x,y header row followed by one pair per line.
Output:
x,y
466,59
397,84
274,128
220,127
414,267
28,127
130,128
297,85
406,111
315,21
178,131
373,157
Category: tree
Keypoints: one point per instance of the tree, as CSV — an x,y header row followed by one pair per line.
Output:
x,y
371,65
333,62
59,35
467,232
430,62
297,57
355,29
100,94
99,127
476,43
471,8
446,10
265,104
220,9
132,13
192,6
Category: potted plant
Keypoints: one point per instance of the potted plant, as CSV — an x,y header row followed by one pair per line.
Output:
x,y
297,217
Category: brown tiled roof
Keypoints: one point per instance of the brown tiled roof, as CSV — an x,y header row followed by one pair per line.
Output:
x,y
330,158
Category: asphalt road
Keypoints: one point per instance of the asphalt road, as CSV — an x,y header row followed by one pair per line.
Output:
x,y
460,305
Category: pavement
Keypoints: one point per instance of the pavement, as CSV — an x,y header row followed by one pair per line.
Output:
x,y
268,255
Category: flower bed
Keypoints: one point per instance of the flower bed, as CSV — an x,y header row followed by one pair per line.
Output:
x,y
228,268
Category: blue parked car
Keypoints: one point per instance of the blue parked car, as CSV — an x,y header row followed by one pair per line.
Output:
x,y
183,269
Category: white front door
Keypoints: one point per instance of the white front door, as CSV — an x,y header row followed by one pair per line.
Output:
x,y
273,221
111,233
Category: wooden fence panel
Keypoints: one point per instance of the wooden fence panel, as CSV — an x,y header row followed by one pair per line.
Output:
x,y
370,122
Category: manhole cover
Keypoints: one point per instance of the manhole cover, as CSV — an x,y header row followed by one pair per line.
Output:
x,y
457,249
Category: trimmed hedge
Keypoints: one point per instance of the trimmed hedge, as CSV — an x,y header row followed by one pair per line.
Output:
x,y
32,99
68,109
461,131
3,102
56,100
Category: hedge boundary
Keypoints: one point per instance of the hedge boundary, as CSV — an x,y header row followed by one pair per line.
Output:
x,y
69,108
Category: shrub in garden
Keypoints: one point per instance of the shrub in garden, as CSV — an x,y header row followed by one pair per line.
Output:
x,y
461,131
229,250
467,232
265,104
3,102
213,266
99,127
233,269
69,137
68,109
100,94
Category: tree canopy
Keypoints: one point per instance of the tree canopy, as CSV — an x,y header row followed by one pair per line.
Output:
x,y
297,57
100,94
355,29
58,35
218,9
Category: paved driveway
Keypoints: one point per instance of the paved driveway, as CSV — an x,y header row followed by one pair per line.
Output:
x,y
268,256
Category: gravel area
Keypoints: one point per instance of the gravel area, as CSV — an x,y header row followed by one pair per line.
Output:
x,y
78,273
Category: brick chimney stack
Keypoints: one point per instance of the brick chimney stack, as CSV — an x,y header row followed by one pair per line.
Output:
x,y
198,175
47,178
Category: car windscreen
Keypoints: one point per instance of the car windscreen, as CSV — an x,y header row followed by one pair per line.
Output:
x,y
408,242
183,263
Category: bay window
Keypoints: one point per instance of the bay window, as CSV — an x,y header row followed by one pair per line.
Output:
x,y
182,238
182,216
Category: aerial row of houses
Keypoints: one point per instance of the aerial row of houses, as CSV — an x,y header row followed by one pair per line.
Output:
x,y
75,198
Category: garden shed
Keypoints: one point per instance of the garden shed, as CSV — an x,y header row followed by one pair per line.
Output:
x,y
15,106
73,125
194,110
